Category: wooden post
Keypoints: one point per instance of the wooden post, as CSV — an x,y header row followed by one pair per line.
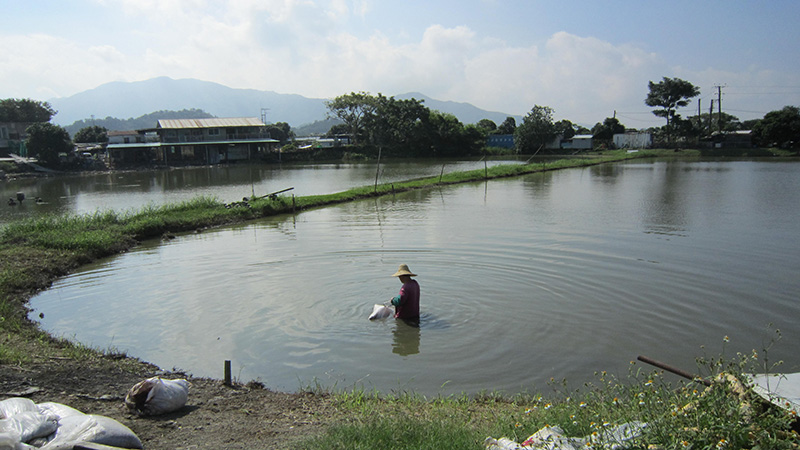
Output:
x,y
228,372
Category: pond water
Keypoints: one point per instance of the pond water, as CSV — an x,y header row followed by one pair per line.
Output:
x,y
558,274
123,191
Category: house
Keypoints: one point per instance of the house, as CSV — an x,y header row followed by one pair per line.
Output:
x,y
12,138
192,141
633,140
730,139
578,142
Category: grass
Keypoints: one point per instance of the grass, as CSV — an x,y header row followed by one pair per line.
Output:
x,y
675,415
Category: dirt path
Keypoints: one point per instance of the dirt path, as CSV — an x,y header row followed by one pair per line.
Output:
x,y
215,417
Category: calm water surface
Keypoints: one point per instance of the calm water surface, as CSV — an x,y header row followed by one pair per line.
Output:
x,y
549,275
123,191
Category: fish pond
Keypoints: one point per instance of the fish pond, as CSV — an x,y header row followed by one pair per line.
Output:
x,y
554,275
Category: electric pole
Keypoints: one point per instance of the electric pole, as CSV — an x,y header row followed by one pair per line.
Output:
x,y
719,107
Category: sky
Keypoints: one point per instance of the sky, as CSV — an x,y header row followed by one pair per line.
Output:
x,y
587,60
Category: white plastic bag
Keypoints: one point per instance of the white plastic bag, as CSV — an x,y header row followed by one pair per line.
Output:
x,y
380,312
155,396
73,430
16,405
29,425
58,409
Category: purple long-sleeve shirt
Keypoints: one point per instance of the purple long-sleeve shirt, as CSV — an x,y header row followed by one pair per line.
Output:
x,y
407,302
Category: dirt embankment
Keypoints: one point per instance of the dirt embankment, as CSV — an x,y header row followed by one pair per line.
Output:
x,y
215,417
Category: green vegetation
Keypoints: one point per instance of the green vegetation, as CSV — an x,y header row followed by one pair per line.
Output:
x,y
678,415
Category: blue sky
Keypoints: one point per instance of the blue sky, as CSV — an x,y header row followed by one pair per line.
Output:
x,y
584,59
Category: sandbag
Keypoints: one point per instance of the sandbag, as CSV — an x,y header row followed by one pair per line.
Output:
x,y
58,409
29,425
9,442
381,312
16,405
92,428
155,396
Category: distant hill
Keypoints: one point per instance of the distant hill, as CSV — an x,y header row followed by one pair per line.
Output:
x,y
138,123
134,99
466,112
126,100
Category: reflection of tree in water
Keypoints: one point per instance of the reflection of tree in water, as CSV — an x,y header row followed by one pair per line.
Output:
x,y
665,211
406,337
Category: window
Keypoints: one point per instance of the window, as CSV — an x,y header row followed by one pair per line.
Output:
x,y
213,131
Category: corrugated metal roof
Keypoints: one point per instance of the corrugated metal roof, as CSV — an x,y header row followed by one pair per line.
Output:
x,y
211,123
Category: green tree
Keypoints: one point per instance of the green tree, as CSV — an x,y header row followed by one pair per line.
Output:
x,y
605,131
337,130
487,125
536,130
25,110
668,95
93,134
565,128
707,123
779,128
280,131
397,125
508,126
353,109
46,141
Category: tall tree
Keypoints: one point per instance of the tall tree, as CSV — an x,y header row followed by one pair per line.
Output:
x,y
536,130
352,109
25,110
93,134
487,125
668,95
565,128
508,126
606,130
46,141
280,131
779,128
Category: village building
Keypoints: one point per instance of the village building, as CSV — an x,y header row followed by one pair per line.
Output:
x,y
577,142
178,142
633,140
12,138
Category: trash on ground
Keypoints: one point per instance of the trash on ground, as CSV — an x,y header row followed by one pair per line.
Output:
x,y
155,396
782,389
553,438
24,425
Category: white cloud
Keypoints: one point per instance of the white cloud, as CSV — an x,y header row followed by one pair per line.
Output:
x,y
309,47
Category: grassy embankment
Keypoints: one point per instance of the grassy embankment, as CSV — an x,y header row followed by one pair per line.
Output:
x,y
35,252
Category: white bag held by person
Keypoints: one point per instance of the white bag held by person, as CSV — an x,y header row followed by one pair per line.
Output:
x,y
380,312
155,396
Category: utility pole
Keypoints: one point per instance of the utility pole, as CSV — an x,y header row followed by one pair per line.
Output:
x,y
719,107
710,113
699,116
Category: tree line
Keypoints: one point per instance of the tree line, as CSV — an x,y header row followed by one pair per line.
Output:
x,y
408,128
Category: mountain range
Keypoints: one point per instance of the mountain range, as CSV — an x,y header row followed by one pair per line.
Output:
x,y
133,99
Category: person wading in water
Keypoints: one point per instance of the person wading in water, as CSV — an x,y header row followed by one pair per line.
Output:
x,y
406,303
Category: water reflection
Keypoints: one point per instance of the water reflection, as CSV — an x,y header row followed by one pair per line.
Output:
x,y
121,191
406,337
